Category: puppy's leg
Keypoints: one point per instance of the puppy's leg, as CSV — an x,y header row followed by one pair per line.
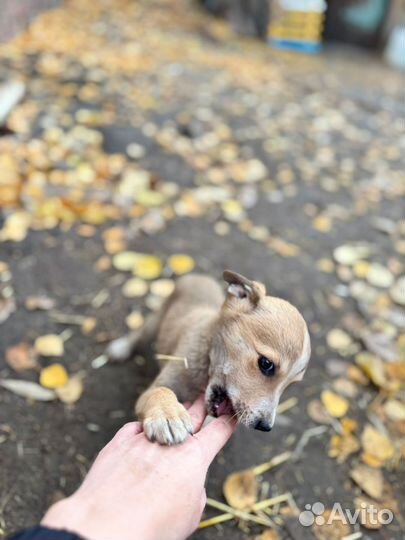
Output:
x,y
121,349
164,418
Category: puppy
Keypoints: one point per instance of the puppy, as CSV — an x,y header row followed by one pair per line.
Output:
x,y
242,349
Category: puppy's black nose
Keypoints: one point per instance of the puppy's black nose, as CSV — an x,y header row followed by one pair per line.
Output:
x,y
262,425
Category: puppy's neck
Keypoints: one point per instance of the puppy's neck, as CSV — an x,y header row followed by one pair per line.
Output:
x,y
216,347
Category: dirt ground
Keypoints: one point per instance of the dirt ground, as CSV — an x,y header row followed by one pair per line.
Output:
x,y
329,133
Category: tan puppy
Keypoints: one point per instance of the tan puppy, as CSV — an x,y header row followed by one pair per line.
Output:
x,y
243,350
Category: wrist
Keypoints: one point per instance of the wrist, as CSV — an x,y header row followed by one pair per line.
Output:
x,y
77,515
69,514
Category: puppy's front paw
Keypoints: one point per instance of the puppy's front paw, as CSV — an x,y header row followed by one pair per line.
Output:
x,y
168,425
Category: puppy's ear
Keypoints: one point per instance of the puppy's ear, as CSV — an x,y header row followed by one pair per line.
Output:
x,y
241,287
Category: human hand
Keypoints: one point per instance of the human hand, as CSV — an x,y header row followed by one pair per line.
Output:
x,y
138,490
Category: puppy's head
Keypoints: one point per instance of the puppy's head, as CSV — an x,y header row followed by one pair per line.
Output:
x,y
260,346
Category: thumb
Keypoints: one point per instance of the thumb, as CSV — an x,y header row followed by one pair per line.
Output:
x,y
215,435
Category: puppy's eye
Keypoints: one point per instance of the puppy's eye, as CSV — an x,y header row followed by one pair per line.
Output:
x,y
267,367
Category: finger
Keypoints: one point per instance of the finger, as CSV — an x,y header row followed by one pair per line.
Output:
x,y
126,435
187,404
198,413
130,430
214,436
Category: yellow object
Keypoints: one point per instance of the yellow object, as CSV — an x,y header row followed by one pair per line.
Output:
x,y
135,287
72,391
336,405
240,489
181,264
49,345
377,444
135,320
125,260
54,376
162,287
147,267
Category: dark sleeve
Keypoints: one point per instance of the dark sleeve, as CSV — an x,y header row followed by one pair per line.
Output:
x,y
43,533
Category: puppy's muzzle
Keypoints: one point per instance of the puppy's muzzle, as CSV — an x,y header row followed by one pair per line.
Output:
x,y
262,425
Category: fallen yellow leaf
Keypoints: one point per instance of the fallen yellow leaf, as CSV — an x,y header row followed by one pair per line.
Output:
x,y
372,367
318,412
356,375
338,340
349,425
377,444
149,198
53,376
233,210
181,264
342,446
103,263
114,240
371,481
49,345
361,269
15,227
125,260
336,405
88,325
87,231
134,320
371,460
147,267
162,287
240,489
71,391
322,224
134,287
395,410
283,248
325,265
